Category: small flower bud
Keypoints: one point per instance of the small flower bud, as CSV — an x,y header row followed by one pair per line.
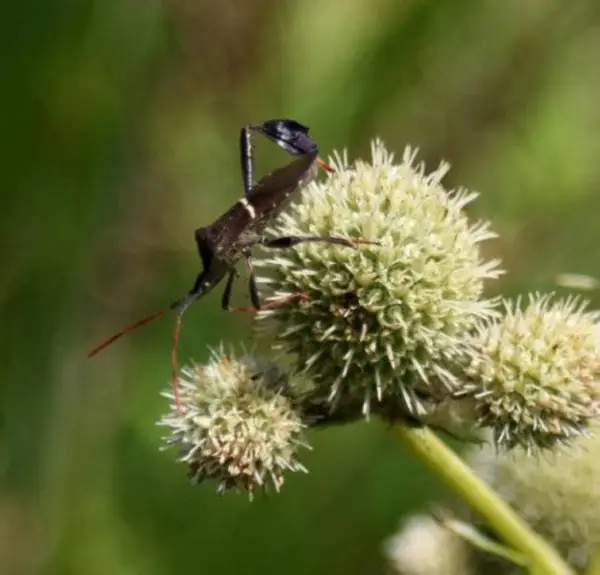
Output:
x,y
577,281
379,321
535,378
235,424
557,493
423,547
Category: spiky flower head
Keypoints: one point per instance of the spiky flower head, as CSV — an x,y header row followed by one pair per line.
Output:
x,y
235,423
380,321
424,547
557,493
535,378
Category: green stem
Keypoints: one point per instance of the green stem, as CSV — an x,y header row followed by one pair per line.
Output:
x,y
594,566
508,526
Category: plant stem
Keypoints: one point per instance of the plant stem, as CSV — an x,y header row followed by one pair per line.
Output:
x,y
508,526
594,566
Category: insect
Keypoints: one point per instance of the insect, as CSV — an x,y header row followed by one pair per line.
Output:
x,y
233,235
288,134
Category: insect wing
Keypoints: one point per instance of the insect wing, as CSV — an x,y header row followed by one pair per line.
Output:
x,y
269,195
263,201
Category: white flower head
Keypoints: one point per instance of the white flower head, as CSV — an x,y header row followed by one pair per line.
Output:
x,y
424,547
557,492
535,378
380,322
235,424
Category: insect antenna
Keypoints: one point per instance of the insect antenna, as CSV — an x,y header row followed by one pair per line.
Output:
x,y
181,306
126,330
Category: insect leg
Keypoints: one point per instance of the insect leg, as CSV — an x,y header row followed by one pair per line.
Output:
x,y
253,290
246,153
252,286
254,297
227,292
291,241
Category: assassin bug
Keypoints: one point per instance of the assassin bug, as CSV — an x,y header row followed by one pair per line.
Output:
x,y
233,235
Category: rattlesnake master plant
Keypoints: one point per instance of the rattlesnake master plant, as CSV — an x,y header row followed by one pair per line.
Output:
x,y
424,547
557,493
235,424
381,323
535,380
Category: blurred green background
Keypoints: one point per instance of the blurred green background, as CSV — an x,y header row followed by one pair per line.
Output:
x,y
119,132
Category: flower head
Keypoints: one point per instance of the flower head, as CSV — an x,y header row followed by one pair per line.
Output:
x,y
380,321
558,493
535,378
424,547
235,424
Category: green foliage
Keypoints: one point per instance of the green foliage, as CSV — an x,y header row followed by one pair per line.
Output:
x,y
119,136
